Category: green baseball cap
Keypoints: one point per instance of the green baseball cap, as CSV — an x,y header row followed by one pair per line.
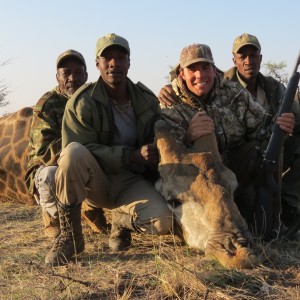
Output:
x,y
195,53
243,40
110,40
70,53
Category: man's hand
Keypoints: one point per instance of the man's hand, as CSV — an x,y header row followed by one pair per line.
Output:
x,y
201,124
286,122
146,155
167,95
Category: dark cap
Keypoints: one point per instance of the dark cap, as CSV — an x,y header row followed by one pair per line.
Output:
x,y
243,40
110,40
195,53
70,53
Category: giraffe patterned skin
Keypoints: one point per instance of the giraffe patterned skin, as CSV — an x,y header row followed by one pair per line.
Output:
x,y
14,139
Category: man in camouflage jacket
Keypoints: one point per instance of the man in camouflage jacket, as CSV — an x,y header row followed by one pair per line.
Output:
x,y
269,93
205,104
45,138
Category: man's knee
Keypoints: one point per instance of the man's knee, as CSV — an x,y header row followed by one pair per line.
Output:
x,y
159,224
46,175
73,152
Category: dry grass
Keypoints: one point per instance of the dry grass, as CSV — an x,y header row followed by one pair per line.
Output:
x,y
154,268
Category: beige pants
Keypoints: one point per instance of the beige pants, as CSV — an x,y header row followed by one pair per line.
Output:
x,y
80,177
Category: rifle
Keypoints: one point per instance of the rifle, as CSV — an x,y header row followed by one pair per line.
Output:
x,y
263,215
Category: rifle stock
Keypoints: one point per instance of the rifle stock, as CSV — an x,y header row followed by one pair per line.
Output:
x,y
268,187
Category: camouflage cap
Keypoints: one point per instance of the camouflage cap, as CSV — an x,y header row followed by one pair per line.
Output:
x,y
70,53
110,40
195,53
243,40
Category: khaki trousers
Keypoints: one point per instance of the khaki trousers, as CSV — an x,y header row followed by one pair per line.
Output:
x,y
79,177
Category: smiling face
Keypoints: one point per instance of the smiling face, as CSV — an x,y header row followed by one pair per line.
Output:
x,y
199,77
247,61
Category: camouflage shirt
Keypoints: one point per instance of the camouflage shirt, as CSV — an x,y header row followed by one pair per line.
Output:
x,y
274,91
45,133
237,117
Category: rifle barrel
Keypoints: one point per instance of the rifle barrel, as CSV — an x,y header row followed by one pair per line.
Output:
x,y
277,138
296,64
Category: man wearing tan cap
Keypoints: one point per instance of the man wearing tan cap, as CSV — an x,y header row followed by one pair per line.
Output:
x,y
108,156
205,103
269,92
45,143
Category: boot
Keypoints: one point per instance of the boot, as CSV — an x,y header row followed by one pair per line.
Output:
x,y
51,225
70,242
94,217
121,227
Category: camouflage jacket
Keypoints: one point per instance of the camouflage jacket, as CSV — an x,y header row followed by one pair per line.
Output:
x,y
89,121
274,91
237,117
45,133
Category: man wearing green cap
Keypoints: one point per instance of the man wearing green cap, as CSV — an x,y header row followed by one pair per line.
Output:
x,y
109,156
45,143
205,103
269,92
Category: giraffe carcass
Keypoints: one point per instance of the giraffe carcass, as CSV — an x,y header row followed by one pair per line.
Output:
x,y
199,189
14,140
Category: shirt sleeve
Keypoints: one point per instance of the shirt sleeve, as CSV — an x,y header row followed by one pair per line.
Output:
x,y
45,135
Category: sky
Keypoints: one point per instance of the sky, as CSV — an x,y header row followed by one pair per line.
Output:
x,y
33,33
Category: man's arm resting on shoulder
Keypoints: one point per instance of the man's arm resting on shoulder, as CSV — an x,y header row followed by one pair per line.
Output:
x,y
167,96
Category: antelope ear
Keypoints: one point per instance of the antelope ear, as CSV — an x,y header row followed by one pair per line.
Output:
x,y
168,148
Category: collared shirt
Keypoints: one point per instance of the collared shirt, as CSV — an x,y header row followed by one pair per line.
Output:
x,y
261,97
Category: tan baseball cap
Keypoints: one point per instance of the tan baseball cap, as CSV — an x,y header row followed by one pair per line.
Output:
x,y
110,40
243,40
70,53
195,53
